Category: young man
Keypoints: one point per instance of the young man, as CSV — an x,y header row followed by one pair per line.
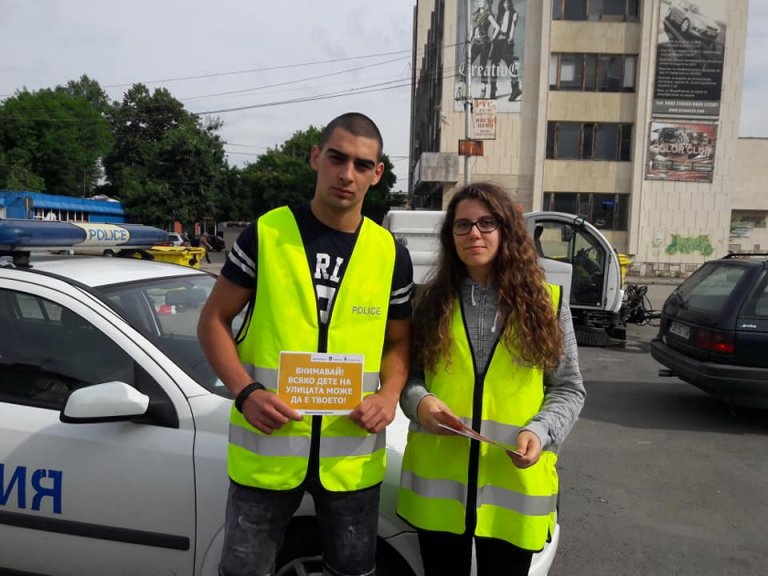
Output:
x,y
318,278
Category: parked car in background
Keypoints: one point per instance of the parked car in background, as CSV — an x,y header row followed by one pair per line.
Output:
x,y
714,330
178,239
686,16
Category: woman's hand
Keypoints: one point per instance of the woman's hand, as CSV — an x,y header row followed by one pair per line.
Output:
x,y
432,412
528,450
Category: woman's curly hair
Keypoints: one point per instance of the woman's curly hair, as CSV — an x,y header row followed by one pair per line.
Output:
x,y
525,301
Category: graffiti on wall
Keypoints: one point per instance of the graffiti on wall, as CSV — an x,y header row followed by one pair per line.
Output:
x,y
690,244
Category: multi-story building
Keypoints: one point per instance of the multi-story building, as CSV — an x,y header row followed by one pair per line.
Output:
x,y
624,111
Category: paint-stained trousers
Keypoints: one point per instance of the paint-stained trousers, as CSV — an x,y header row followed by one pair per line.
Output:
x,y
257,520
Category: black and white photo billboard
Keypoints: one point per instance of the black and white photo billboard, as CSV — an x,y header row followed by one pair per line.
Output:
x,y
689,58
497,37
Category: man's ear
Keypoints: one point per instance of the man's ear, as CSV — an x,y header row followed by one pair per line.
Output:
x,y
378,172
314,156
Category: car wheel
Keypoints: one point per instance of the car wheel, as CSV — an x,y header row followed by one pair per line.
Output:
x,y
388,563
304,566
685,25
108,253
301,553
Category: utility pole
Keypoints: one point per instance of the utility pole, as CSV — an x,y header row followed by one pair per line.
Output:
x,y
468,88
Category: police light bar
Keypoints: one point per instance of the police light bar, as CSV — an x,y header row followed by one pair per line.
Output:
x,y
26,235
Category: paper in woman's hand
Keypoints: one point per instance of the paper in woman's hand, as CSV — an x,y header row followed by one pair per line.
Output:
x,y
458,427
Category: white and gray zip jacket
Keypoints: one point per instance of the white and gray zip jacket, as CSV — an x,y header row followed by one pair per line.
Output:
x,y
564,391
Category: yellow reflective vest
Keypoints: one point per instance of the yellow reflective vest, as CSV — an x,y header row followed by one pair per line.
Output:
x,y
511,504
285,317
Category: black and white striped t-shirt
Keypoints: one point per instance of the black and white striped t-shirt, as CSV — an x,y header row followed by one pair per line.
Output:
x,y
328,252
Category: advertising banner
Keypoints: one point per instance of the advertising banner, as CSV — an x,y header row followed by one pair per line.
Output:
x,y
678,151
484,119
689,58
497,37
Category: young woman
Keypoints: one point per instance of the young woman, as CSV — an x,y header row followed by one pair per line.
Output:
x,y
496,353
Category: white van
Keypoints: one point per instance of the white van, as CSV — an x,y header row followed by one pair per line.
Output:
x,y
419,231
574,254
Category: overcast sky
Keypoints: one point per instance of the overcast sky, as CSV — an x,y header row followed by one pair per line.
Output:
x,y
332,56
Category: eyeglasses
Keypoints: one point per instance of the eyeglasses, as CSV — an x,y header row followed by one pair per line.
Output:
x,y
486,224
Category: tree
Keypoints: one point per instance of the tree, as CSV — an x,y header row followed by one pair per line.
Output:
x,y
52,141
89,90
166,165
283,176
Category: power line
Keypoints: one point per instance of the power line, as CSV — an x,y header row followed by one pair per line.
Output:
x,y
368,89
353,92
265,68
289,82
262,69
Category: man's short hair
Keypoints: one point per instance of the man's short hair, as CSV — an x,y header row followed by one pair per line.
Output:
x,y
356,124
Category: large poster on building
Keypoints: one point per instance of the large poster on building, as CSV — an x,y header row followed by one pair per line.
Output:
x,y
496,40
689,58
681,151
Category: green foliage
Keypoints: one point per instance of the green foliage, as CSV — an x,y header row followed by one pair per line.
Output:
x,y
283,176
166,164
89,90
51,141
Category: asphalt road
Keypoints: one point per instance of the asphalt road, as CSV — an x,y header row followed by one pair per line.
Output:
x,y
657,478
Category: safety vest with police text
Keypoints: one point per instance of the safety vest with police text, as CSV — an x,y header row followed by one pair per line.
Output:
x,y
285,318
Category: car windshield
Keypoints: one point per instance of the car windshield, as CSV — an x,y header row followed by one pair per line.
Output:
x,y
710,287
166,310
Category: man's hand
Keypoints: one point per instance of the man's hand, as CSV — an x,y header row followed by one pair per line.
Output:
x,y
265,411
375,412
432,412
528,448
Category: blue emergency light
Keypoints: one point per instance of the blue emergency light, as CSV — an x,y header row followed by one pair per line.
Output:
x,y
25,235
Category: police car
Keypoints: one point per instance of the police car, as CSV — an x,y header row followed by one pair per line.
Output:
x,y
113,427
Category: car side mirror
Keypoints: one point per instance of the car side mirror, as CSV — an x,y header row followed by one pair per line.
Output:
x,y
107,402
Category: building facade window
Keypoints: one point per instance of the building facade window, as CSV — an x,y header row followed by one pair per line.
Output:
x,y
604,211
596,10
592,72
62,215
589,141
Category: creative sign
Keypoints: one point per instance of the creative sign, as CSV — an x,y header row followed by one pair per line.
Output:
x,y
496,40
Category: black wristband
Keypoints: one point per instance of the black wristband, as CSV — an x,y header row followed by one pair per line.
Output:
x,y
245,392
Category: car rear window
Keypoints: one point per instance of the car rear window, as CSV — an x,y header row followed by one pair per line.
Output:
x,y
710,290
757,304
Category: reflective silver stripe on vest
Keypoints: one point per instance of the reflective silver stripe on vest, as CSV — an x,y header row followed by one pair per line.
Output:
x,y
504,433
528,505
269,445
434,488
507,433
416,427
268,377
332,446
299,445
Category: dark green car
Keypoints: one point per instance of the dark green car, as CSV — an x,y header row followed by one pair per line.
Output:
x,y
714,330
